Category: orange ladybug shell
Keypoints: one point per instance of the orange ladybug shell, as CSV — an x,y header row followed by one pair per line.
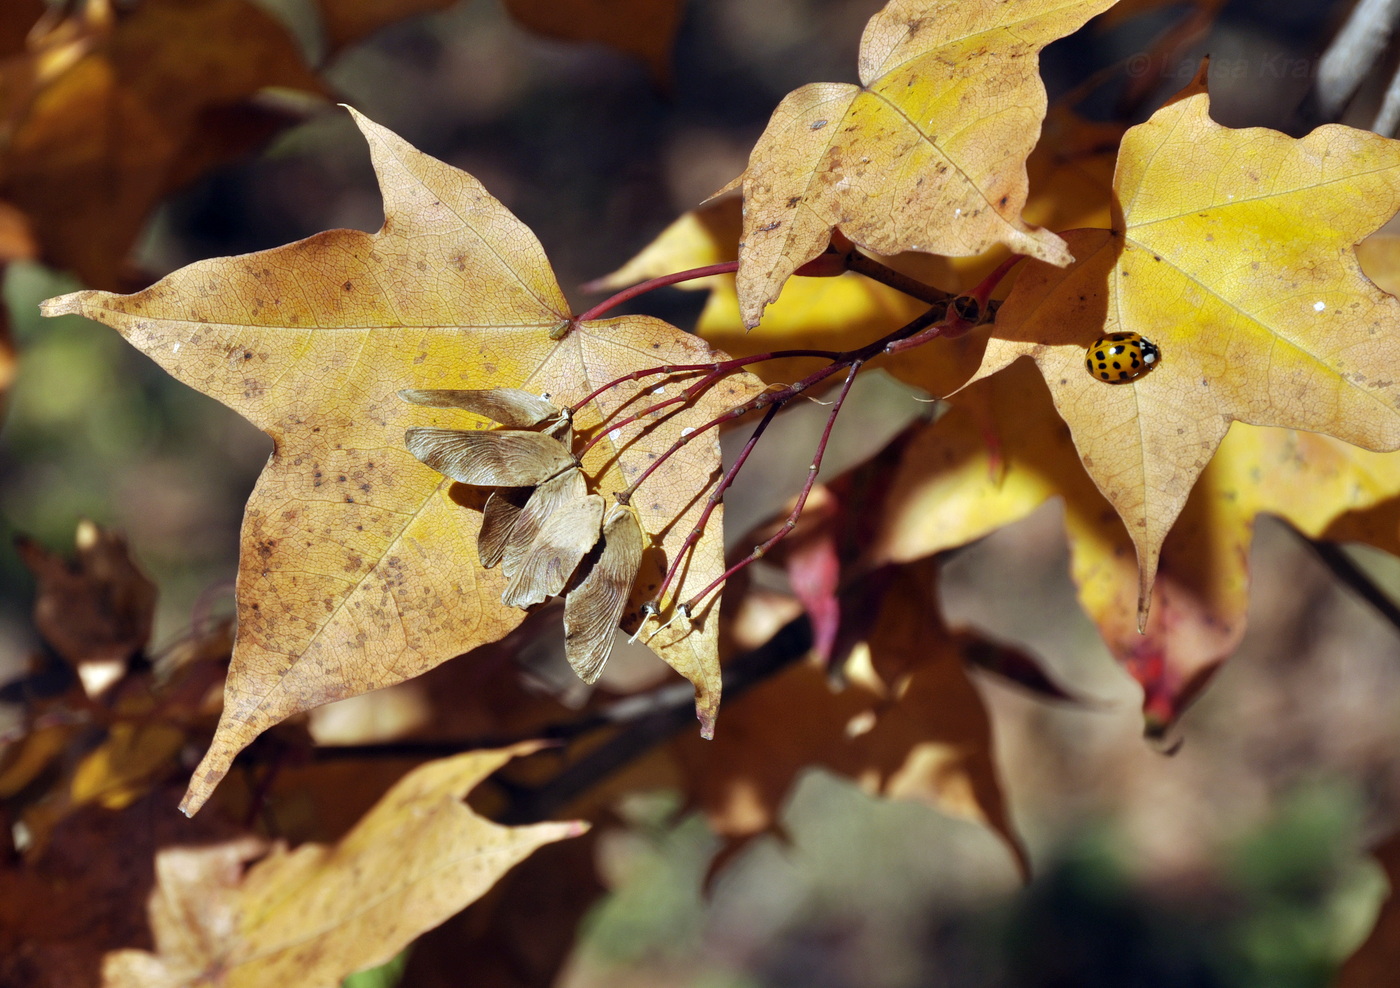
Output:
x,y
1121,357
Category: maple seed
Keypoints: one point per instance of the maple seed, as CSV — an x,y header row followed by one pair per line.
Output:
x,y
498,518
514,408
594,607
549,498
490,459
558,547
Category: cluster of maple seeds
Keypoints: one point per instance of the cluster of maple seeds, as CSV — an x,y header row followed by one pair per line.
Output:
x,y
539,523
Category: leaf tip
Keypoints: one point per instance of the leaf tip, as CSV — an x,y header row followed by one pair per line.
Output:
x,y
732,185
207,775
190,805
1054,250
1198,86
367,126
1148,558
753,314
61,305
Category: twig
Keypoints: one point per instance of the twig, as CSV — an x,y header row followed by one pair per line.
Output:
x,y
646,720
866,265
717,372
1388,116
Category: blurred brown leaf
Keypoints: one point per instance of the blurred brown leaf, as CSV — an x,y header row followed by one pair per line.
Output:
x,y
1012,665
347,22
84,893
521,932
9,359
75,751
932,739
17,18
123,767
909,725
17,243
94,609
644,28
24,759
102,118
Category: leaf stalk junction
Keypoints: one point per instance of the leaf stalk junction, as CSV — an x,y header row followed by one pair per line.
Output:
x,y
948,317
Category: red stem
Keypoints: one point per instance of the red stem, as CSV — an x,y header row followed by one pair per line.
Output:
x,y
866,265
936,315
686,395
720,367
761,550
984,290
716,496
627,294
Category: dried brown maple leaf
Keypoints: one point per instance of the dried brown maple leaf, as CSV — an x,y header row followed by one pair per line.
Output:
x,y
359,566
315,914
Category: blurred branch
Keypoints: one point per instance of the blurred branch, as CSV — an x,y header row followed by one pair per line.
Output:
x,y
648,719
1388,117
1353,53
657,723
1355,578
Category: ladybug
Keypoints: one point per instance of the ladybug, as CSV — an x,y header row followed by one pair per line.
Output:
x,y
1121,357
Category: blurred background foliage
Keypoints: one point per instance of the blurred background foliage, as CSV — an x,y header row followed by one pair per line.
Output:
x,y
1238,861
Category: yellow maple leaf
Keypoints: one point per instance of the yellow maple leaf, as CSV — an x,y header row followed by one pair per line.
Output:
x,y
927,154
1000,452
1235,258
315,914
1071,174
359,565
